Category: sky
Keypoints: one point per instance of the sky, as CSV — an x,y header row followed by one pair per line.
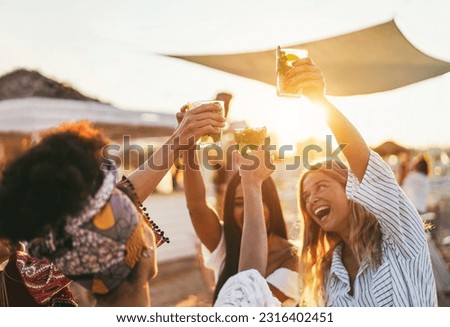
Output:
x,y
115,51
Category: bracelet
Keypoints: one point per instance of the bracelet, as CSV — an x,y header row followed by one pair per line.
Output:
x,y
160,238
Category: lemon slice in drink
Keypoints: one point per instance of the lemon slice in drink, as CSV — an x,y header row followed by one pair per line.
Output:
x,y
292,57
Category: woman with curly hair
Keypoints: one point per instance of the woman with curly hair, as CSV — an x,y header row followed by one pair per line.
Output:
x,y
63,197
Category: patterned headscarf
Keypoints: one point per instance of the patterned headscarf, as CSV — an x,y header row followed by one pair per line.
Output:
x,y
103,243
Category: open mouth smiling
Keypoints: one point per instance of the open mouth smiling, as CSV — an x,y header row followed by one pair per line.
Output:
x,y
322,211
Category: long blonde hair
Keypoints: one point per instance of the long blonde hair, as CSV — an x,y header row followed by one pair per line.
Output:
x,y
318,245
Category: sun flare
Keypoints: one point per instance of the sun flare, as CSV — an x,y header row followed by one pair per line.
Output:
x,y
293,125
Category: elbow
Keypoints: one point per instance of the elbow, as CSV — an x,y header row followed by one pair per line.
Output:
x,y
196,208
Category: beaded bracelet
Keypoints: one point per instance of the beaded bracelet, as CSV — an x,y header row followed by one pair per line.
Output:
x,y
160,238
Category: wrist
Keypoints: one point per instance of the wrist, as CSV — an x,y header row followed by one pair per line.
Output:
x,y
251,184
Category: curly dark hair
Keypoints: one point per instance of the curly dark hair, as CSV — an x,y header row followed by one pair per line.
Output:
x,y
51,180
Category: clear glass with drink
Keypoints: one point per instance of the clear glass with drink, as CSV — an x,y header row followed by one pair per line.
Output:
x,y
285,58
215,138
249,137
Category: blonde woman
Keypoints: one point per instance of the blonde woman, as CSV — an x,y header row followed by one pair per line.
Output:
x,y
364,242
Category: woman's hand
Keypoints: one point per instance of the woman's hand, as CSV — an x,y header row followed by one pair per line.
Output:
x,y
194,123
254,167
306,75
180,114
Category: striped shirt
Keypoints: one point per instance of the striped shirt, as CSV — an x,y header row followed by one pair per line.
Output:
x,y
405,276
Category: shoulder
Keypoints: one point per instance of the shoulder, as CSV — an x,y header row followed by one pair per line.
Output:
x,y
277,243
282,253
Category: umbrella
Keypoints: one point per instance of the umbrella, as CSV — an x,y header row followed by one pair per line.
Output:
x,y
372,60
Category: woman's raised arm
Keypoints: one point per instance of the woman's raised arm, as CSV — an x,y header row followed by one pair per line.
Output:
x,y
309,77
195,123
204,218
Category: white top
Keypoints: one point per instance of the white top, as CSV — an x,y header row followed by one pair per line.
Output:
x,y
405,277
246,289
286,280
417,188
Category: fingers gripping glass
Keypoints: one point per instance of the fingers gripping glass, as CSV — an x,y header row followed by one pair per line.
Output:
x,y
213,138
285,59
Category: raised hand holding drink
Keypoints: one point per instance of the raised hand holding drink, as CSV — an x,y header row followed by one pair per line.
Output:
x,y
285,58
249,137
215,138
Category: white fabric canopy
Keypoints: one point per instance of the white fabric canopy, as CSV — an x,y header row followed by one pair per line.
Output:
x,y
109,50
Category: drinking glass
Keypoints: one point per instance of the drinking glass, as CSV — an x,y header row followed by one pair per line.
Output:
x,y
214,138
285,58
249,137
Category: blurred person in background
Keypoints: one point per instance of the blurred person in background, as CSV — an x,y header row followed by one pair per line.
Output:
x,y
416,184
221,175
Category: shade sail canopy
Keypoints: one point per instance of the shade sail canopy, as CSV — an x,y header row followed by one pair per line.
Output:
x,y
372,60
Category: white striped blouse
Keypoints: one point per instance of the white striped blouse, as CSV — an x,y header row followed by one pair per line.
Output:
x,y
405,276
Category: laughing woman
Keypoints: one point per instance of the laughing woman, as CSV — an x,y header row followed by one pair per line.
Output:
x,y
364,242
